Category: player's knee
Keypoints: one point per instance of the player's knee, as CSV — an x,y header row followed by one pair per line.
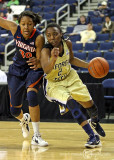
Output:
x,y
73,106
15,111
78,115
32,98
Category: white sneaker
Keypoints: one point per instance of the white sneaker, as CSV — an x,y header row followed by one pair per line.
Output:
x,y
37,140
24,125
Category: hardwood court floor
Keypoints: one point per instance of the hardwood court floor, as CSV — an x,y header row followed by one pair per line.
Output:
x,y
66,142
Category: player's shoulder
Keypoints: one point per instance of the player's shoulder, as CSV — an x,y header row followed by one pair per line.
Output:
x,y
40,37
46,50
48,45
18,32
68,42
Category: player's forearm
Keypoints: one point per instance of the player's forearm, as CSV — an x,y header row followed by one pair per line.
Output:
x,y
8,25
79,63
4,23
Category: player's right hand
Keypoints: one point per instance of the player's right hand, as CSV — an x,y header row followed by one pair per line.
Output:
x,y
55,53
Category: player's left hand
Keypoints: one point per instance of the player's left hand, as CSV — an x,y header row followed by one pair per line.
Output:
x,y
33,63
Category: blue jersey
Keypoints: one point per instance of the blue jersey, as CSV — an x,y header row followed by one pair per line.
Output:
x,y
25,49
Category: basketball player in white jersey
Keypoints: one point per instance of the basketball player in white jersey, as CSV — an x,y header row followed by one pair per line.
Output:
x,y
63,85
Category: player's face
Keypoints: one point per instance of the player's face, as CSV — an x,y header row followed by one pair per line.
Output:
x,y
54,35
27,26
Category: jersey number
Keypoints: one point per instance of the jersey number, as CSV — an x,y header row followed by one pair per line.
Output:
x,y
60,70
25,55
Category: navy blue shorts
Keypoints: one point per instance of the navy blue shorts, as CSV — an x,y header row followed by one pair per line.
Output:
x,y
18,84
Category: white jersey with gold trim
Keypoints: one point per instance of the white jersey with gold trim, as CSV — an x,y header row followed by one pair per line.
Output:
x,y
62,66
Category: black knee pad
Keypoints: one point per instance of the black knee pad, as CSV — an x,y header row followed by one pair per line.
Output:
x,y
15,111
32,98
77,114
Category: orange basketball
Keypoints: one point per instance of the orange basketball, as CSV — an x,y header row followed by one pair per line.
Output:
x,y
98,67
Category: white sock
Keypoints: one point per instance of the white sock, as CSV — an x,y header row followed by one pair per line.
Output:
x,y
35,126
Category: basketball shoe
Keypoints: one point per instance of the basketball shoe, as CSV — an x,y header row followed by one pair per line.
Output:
x,y
97,127
37,140
24,125
93,142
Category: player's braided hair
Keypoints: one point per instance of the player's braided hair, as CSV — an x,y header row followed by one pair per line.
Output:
x,y
35,17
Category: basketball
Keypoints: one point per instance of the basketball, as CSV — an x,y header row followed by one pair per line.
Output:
x,y
98,67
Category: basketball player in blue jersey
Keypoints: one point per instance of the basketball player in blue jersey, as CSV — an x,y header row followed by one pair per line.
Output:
x,y
63,85
23,74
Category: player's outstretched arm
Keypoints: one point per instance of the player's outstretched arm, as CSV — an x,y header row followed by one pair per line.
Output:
x,y
73,60
8,25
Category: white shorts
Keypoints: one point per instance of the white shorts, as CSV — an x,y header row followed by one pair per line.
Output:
x,y
71,86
